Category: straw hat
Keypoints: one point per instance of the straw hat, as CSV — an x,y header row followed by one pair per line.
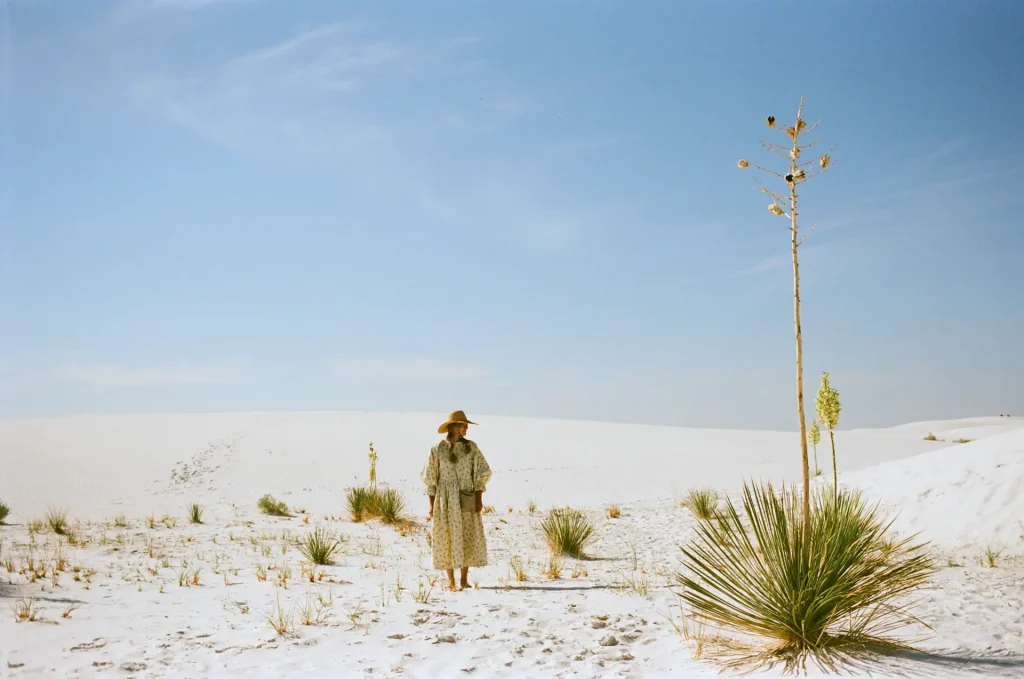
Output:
x,y
456,417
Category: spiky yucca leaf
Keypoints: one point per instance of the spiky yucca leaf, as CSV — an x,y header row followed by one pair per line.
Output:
x,y
567,531
703,502
319,547
361,503
821,593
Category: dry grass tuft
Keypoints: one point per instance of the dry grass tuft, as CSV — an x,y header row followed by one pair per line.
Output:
x,y
195,513
614,511
282,621
703,502
57,519
930,437
5,511
25,610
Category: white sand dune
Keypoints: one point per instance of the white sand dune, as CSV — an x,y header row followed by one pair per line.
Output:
x,y
963,497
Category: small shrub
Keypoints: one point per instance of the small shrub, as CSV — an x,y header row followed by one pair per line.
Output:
x,y
567,531
268,505
992,557
319,547
195,513
703,502
613,511
120,521
57,520
389,505
4,511
361,501
532,507
930,437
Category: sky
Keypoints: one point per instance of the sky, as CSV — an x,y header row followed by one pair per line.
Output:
x,y
512,208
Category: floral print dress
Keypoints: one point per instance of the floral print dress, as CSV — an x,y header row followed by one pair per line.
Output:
x,y
458,537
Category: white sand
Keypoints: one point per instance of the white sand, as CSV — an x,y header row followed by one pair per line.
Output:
x,y
965,498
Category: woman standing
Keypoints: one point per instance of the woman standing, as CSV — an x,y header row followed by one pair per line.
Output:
x,y
456,476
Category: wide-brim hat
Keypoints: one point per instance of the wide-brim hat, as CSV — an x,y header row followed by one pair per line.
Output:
x,y
456,417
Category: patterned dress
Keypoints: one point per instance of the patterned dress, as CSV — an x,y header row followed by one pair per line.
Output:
x,y
458,537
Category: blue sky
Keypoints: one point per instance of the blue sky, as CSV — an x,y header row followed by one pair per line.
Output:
x,y
512,208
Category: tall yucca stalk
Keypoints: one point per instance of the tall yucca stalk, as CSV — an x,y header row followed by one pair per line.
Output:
x,y
827,408
796,173
814,435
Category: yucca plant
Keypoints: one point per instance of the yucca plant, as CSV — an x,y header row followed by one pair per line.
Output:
x,y
795,172
195,513
269,505
362,503
814,436
319,547
389,505
703,502
567,531
822,590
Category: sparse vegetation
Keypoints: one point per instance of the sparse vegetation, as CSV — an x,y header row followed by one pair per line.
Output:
x,y
517,568
992,557
281,620
370,502
703,502
613,511
553,567
195,513
271,506
5,511
930,437
25,610
319,547
819,590
57,519
531,508
567,531
961,440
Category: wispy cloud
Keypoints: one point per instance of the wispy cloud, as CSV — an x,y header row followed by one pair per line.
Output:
x,y
304,95
109,375
780,261
412,369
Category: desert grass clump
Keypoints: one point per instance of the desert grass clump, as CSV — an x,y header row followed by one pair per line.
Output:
x,y
390,506
703,502
614,511
5,511
271,506
25,610
930,437
962,440
822,591
319,547
567,531
992,557
195,513
57,519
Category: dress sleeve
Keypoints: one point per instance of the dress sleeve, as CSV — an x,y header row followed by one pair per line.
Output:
x,y
430,472
483,471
